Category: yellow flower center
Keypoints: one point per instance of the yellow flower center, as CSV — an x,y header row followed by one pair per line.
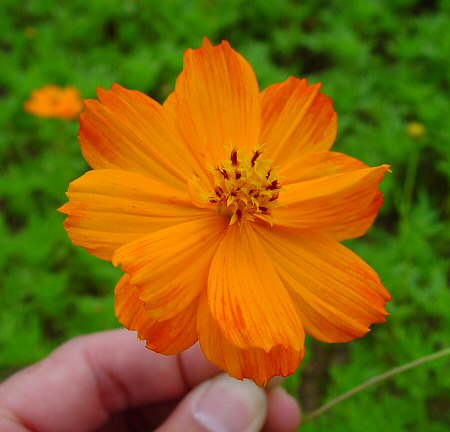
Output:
x,y
245,187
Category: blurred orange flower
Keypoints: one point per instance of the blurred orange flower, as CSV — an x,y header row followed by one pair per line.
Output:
x,y
226,209
55,102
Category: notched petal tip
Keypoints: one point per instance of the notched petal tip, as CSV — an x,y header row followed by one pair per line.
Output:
x,y
387,167
100,90
117,87
64,209
206,42
296,119
115,259
252,363
168,337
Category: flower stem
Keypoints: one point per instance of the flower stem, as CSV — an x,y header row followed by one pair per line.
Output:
x,y
375,380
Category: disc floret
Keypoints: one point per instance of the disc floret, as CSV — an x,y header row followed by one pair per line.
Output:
x,y
245,187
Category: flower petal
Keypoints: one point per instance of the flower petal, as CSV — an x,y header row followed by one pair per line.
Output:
x,y
347,202
315,165
170,266
166,337
128,130
246,297
216,102
253,363
338,295
357,224
296,119
323,164
109,208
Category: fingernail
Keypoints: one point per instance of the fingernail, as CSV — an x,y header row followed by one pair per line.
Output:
x,y
230,405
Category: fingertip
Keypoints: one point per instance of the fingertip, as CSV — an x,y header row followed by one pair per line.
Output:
x,y
221,404
284,414
195,367
231,405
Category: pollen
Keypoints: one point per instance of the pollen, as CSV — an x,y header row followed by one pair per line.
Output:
x,y
246,187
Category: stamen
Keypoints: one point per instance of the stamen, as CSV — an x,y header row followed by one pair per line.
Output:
x,y
245,190
234,158
255,156
223,172
274,197
273,185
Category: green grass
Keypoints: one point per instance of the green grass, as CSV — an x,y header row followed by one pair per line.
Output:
x,y
384,63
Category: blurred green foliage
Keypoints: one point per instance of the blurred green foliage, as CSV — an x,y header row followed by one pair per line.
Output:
x,y
385,63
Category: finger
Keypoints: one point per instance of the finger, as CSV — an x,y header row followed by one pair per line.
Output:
x,y
220,404
140,419
283,412
79,385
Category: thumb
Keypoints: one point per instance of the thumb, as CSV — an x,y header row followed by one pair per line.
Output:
x,y
222,404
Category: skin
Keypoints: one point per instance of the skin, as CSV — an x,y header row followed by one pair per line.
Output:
x,y
109,382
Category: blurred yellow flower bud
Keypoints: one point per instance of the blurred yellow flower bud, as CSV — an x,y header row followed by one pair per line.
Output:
x,y
416,130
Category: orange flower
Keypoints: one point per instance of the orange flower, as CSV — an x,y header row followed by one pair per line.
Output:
x,y
226,210
55,102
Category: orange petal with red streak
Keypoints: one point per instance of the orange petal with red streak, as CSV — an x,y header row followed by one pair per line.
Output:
x,y
347,202
323,164
109,208
315,165
170,266
168,337
338,295
216,102
130,131
252,363
246,296
296,119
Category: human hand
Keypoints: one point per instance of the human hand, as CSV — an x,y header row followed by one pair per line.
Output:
x,y
108,382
